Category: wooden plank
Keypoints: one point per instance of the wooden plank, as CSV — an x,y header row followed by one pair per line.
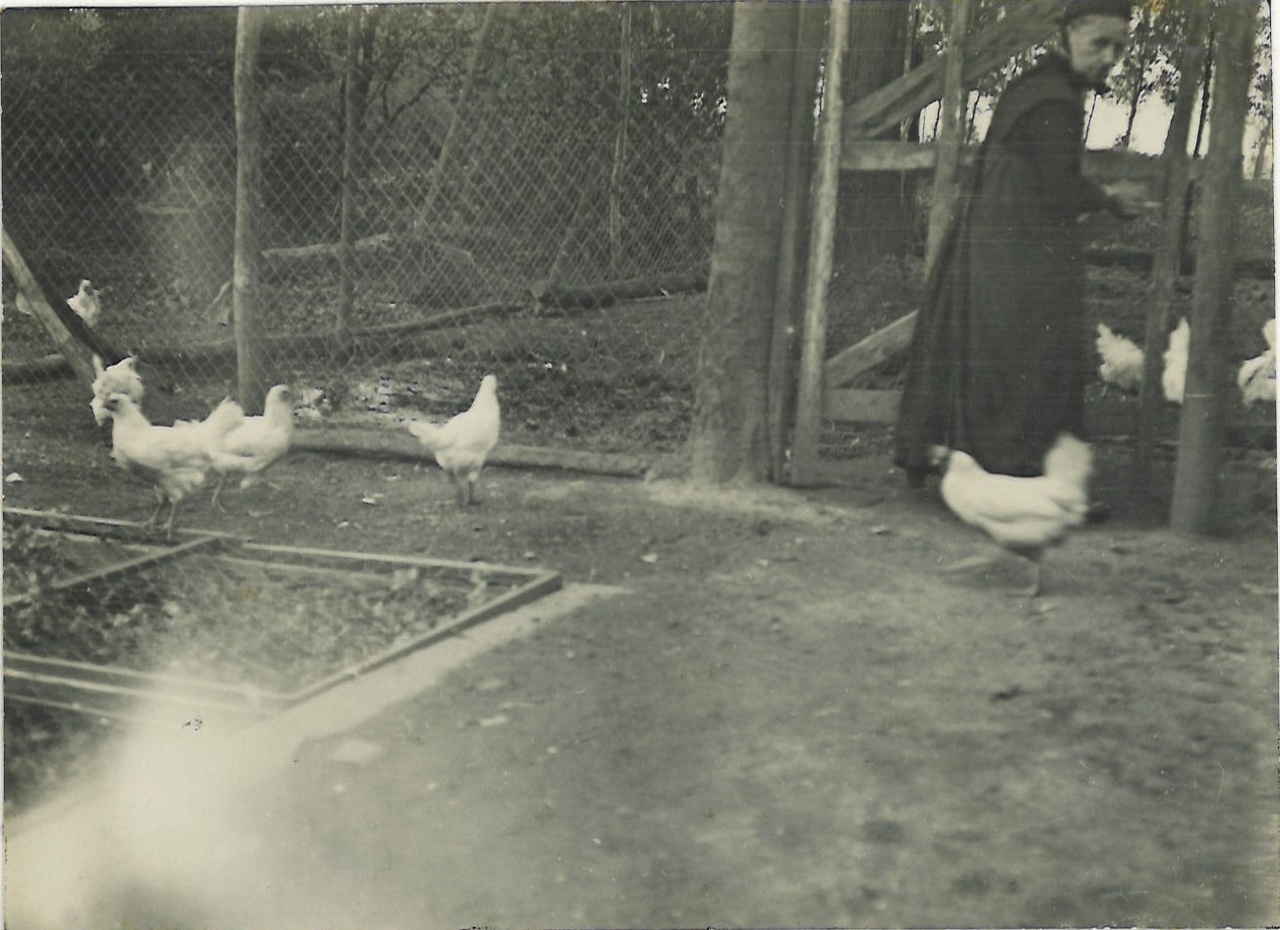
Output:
x,y
843,367
142,561
813,346
852,405
400,444
894,155
71,348
792,239
115,680
1024,25
128,531
547,583
379,561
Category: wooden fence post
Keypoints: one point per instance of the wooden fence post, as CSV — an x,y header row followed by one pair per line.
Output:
x,y
250,344
951,133
786,316
1168,256
1209,383
804,447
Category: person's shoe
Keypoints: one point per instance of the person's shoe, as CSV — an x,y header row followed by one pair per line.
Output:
x,y
1098,512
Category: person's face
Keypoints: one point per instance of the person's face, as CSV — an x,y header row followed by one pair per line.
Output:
x,y
1095,44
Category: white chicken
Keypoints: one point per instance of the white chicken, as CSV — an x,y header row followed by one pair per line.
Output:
x,y
1257,376
120,378
462,445
211,432
1121,360
169,458
1174,379
86,303
256,442
1024,515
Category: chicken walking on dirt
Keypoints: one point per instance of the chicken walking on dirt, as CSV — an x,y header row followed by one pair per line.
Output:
x,y
462,445
1024,515
173,460
255,443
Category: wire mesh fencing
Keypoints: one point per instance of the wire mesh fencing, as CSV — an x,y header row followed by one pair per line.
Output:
x,y
445,191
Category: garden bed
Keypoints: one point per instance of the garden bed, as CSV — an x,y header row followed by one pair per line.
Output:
x,y
111,627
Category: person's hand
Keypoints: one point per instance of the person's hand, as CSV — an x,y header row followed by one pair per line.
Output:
x,y
1128,199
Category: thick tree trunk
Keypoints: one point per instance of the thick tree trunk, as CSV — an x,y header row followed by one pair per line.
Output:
x,y
729,441
1209,383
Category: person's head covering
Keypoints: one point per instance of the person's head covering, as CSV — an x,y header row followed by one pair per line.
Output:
x,y
1075,9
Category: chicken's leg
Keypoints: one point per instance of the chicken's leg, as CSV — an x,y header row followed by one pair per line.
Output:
x,y
1033,592
216,491
1038,585
155,514
168,527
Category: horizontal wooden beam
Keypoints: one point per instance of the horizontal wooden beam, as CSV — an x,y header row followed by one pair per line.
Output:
x,y
1025,24
866,155
851,405
883,344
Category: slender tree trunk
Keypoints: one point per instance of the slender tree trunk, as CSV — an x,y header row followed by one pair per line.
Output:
x,y
948,134
350,141
246,291
1130,117
1209,382
1205,96
1264,147
729,440
460,112
1168,257
620,148
971,117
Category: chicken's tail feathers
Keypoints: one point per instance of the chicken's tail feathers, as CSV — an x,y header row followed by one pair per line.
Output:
x,y
1070,460
226,416
426,433
97,365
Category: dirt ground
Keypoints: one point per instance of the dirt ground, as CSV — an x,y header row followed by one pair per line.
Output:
x,y
794,716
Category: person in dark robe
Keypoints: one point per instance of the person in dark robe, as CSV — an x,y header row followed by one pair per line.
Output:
x,y
999,358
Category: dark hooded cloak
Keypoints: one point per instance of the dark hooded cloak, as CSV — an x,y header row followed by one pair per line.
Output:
x,y
999,357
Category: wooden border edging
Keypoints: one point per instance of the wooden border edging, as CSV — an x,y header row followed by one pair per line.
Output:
x,y
113,690
392,443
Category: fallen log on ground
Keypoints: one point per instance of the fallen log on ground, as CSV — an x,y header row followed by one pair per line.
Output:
x,y
607,293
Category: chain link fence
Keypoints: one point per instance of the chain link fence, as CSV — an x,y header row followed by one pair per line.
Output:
x,y
520,178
